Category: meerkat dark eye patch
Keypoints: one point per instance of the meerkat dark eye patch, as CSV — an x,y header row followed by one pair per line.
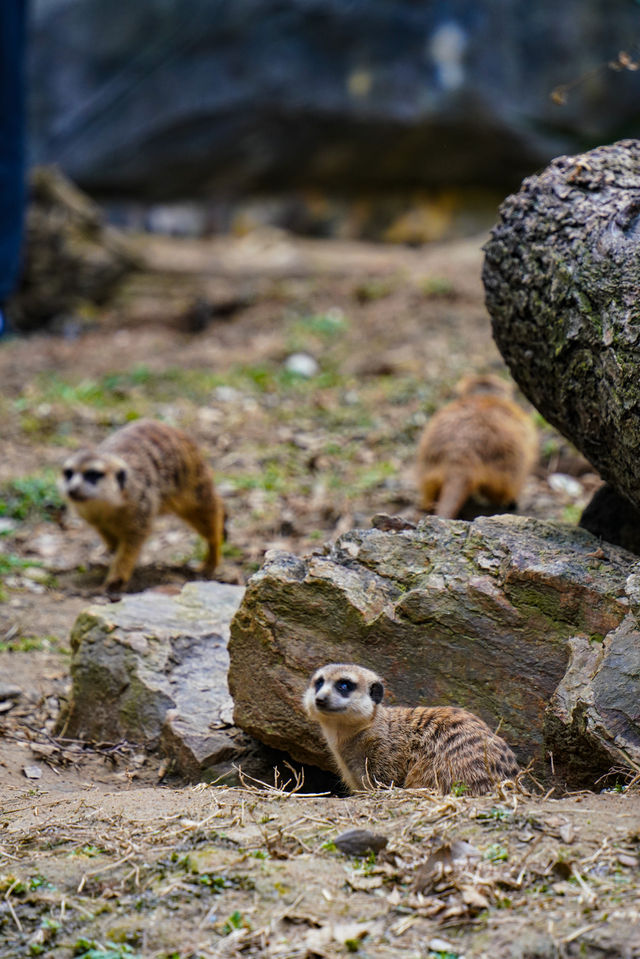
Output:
x,y
318,683
376,691
68,473
93,476
344,686
121,477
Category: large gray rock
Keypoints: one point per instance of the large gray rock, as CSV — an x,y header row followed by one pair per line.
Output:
x,y
180,97
561,280
71,256
478,614
153,669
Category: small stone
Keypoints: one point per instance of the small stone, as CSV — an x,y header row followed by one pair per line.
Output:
x,y
626,859
32,772
388,524
227,394
360,842
9,691
562,483
36,574
302,364
442,945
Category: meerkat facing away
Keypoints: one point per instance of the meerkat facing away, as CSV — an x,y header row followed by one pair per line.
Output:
x,y
141,471
480,445
433,747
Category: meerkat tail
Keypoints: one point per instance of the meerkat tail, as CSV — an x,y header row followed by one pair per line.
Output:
x,y
455,491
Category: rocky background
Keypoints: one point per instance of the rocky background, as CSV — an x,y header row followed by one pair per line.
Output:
x,y
182,99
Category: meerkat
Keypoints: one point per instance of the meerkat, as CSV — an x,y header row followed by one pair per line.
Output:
x,y
141,471
480,445
432,747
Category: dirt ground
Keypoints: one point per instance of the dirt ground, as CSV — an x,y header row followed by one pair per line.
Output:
x,y
98,856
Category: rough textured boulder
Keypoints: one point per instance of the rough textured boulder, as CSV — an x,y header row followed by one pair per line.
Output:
x,y
561,281
153,669
593,721
71,257
480,614
179,97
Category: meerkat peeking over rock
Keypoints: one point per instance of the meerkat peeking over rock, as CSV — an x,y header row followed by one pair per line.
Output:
x,y
481,446
138,473
426,747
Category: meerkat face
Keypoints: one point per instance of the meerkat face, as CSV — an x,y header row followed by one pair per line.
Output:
x,y
88,477
343,694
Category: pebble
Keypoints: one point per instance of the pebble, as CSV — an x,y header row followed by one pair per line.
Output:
x,y
32,772
360,842
562,483
9,691
301,363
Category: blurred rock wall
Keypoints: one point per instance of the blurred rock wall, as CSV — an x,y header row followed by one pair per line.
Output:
x,y
179,98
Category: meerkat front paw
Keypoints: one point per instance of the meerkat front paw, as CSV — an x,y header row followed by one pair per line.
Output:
x,y
207,570
114,588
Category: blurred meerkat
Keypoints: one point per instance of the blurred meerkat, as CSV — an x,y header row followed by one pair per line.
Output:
x,y
138,473
434,747
480,445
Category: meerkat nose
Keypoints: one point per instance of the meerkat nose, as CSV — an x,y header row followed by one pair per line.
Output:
x,y
75,494
321,702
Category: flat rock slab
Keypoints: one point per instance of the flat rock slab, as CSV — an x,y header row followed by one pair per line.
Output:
x,y
152,668
475,614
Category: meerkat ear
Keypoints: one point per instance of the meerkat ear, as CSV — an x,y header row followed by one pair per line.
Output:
x,y
376,691
121,477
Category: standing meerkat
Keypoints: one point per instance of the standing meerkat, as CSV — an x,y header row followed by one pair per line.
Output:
x,y
138,473
434,747
481,444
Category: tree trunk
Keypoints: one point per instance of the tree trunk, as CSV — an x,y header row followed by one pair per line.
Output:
x,y
562,282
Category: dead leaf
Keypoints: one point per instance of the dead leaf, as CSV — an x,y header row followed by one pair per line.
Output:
x,y
365,883
441,861
433,869
567,833
341,932
627,859
460,849
471,896
441,945
394,897
43,749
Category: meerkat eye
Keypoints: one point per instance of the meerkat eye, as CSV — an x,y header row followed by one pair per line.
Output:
x,y
93,476
67,473
345,686
318,684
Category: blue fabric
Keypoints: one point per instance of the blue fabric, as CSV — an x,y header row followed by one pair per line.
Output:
x,y
12,140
